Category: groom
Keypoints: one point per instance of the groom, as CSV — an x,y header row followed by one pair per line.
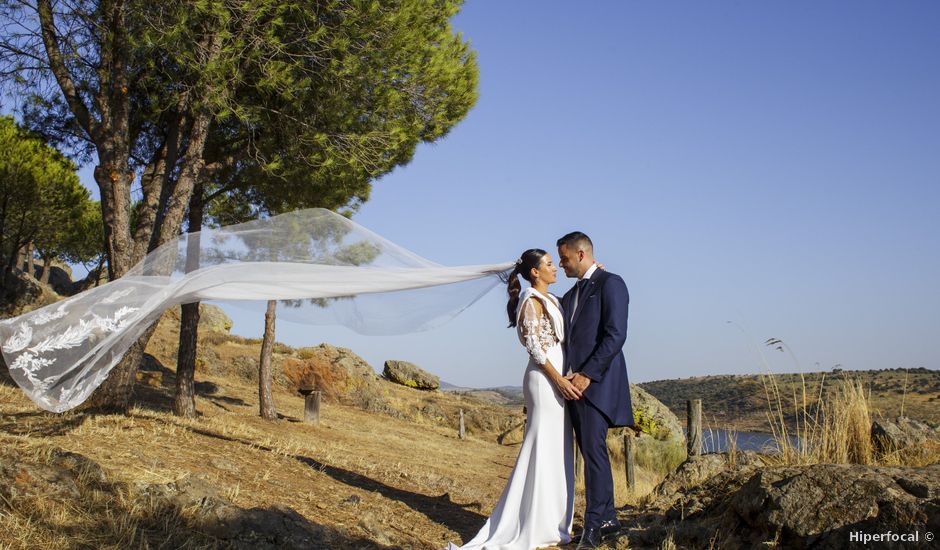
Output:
x,y
596,329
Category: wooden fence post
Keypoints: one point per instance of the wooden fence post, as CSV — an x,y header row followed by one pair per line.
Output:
x,y
462,434
694,439
629,454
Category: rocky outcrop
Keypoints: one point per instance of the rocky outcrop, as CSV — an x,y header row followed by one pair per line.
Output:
x,y
818,505
697,470
901,434
23,294
653,417
338,372
749,505
211,318
512,436
409,374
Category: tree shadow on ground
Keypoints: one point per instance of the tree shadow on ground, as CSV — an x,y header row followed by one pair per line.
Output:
x,y
440,509
107,514
156,387
41,423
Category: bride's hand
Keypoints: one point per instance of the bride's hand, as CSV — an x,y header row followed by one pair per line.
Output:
x,y
567,390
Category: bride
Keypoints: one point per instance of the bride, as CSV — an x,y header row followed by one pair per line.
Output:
x,y
537,505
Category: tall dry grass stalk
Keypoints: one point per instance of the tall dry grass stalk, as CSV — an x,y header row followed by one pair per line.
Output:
x,y
833,428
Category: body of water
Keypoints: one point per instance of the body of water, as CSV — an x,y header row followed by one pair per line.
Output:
x,y
717,441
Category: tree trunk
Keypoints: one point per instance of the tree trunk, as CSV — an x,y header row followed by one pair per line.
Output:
x,y
46,268
268,412
30,264
185,400
20,258
114,395
110,133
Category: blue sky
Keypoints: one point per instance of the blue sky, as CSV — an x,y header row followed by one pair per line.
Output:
x,y
773,164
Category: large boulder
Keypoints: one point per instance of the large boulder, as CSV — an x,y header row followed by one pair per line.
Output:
x,y
60,276
653,417
816,506
211,318
901,434
820,505
409,374
338,372
24,294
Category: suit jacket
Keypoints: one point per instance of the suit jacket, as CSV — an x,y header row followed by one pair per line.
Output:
x,y
594,339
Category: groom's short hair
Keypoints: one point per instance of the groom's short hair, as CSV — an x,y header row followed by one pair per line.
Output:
x,y
576,239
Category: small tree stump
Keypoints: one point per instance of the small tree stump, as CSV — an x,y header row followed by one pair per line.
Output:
x,y
462,433
311,404
694,439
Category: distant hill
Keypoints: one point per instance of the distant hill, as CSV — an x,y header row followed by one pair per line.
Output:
x,y
740,401
509,396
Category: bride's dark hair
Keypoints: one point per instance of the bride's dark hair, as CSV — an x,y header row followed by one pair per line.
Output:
x,y
524,265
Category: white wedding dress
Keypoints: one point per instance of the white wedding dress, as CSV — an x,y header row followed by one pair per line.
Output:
x,y
537,505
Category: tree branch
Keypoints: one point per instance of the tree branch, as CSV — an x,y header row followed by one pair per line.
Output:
x,y
60,71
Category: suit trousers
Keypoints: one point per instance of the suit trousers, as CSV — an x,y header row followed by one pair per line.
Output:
x,y
590,429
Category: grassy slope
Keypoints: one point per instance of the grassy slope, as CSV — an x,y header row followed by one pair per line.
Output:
x,y
740,402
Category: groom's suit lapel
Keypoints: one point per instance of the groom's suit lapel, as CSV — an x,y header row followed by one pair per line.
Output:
x,y
589,289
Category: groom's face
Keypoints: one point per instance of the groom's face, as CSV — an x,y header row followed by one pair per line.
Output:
x,y
570,259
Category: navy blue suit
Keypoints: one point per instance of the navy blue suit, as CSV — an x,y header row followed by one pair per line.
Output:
x,y
594,337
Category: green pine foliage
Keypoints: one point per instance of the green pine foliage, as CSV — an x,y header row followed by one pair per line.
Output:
x,y
42,201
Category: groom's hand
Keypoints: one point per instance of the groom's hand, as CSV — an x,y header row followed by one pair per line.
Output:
x,y
579,381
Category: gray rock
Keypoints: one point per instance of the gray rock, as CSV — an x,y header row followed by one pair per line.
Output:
x,y
816,506
696,470
24,294
409,374
512,436
211,318
654,417
214,318
901,434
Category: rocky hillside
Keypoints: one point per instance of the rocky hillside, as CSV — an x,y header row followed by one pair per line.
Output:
x,y
342,376
740,401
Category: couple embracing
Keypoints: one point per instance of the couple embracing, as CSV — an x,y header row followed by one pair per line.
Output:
x,y
576,378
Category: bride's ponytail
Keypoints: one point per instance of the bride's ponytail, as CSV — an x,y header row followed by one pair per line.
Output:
x,y
524,265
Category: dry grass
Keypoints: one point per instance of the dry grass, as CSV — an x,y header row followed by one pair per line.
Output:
x,y
832,427
419,484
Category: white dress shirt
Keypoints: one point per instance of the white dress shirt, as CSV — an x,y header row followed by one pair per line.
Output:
x,y
577,294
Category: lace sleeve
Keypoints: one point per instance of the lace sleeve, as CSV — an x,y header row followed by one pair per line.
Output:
x,y
529,330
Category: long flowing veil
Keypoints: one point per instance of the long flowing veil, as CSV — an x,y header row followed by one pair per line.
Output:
x,y
325,268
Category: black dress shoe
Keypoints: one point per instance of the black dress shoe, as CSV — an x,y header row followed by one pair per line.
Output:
x,y
607,528
590,538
